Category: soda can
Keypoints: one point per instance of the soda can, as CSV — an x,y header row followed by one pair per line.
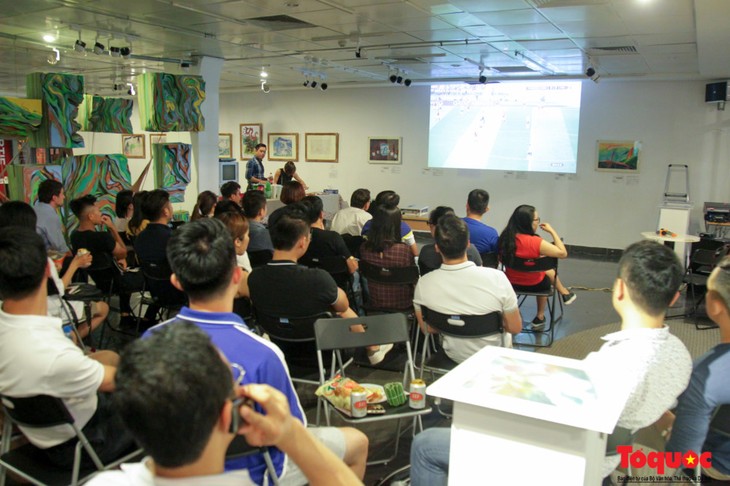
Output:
x,y
359,402
417,399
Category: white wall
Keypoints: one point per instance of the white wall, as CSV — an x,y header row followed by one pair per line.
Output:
x,y
589,208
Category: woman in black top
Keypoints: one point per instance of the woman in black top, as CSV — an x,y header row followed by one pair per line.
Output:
x,y
287,173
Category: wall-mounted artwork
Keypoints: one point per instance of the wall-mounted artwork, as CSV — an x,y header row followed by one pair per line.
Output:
x,y
19,117
111,115
321,147
23,180
172,168
61,95
171,103
251,135
133,146
618,156
225,144
385,150
157,138
283,146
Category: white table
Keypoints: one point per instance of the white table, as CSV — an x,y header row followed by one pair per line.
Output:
x,y
529,418
677,243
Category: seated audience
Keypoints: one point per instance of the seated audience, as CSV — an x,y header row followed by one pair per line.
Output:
x,y
461,287
484,237
21,214
349,221
282,288
518,239
391,200
701,422
287,173
186,430
384,247
204,206
50,198
254,208
124,209
291,193
429,259
643,356
203,261
324,243
137,223
36,358
237,226
231,191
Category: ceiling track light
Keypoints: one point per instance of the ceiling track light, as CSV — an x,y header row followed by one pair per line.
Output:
x,y
184,65
131,91
482,77
314,84
98,48
265,87
264,74
126,52
407,82
115,51
54,57
79,46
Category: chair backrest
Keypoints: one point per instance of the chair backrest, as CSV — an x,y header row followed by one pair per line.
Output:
x,y
334,334
292,329
490,259
460,325
353,244
156,271
531,264
389,275
333,265
39,411
260,257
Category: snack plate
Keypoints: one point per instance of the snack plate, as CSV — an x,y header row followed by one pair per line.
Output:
x,y
373,388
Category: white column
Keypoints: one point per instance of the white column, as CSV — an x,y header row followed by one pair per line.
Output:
x,y
205,144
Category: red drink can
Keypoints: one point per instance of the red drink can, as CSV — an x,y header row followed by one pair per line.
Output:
x,y
417,398
359,402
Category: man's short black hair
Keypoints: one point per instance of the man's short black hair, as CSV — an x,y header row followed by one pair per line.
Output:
x,y
170,390
314,207
478,201
452,236
47,189
154,204
652,273
80,204
253,203
202,257
226,206
124,199
437,213
259,145
230,188
360,198
17,213
23,262
387,198
290,227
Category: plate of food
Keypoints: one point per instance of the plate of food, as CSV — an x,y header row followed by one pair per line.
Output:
x,y
376,393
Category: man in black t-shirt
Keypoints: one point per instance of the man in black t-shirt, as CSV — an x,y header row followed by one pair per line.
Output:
x,y
324,243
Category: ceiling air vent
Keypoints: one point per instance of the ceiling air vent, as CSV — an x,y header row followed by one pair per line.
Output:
x,y
513,69
279,22
613,50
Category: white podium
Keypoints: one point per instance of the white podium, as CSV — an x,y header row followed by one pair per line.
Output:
x,y
528,418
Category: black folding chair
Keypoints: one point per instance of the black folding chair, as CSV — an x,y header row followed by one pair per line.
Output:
x,y
702,262
29,462
165,297
240,448
490,259
336,266
260,258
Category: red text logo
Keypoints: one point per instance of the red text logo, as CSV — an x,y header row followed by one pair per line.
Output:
x,y
660,460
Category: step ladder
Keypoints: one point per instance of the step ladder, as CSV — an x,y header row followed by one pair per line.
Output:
x,y
676,187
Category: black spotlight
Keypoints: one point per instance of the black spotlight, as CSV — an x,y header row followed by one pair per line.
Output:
x,y
358,54
305,83
98,48
407,82
79,46
482,78
126,52
314,84
184,65
393,78
114,51
399,79
323,86
590,72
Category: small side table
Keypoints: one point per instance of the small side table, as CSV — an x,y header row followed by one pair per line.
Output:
x,y
670,241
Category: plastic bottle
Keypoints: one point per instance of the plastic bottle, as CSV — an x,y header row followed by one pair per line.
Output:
x,y
267,190
68,330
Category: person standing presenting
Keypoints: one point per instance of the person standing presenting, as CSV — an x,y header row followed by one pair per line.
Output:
x,y
255,166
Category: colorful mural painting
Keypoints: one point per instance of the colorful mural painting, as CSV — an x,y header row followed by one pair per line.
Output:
x,y
171,103
60,94
19,117
172,168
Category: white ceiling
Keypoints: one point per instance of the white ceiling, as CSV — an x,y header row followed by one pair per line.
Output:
x,y
428,40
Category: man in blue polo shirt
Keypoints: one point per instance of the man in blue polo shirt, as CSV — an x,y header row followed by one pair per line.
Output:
x,y
483,237
203,261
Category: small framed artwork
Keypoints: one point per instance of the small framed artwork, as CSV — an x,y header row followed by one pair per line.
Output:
x,y
321,147
385,150
225,144
133,146
283,146
158,138
618,156
251,135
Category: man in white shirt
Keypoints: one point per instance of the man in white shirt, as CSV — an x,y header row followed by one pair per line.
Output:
x,y
176,394
36,358
461,287
349,221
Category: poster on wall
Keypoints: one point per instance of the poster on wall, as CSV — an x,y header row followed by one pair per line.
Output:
x,y
618,156
385,150
283,146
251,135
225,145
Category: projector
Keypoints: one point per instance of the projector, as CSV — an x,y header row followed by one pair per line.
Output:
x,y
717,212
414,210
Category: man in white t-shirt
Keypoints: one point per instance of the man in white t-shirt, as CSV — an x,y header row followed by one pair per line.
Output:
x,y
349,221
461,287
36,358
176,394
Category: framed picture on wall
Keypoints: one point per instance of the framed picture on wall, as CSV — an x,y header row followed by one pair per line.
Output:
x,y
385,150
225,144
321,147
618,156
158,138
133,146
283,146
251,135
